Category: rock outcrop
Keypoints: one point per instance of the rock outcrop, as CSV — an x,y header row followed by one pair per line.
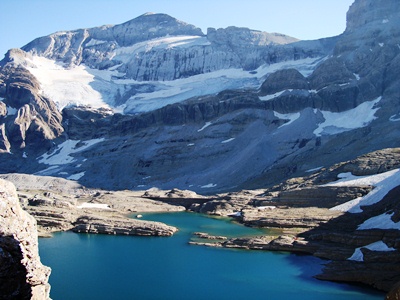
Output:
x,y
22,275
121,226
60,205
30,118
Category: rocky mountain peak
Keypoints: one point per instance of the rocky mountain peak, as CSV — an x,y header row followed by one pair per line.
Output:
x,y
146,27
365,12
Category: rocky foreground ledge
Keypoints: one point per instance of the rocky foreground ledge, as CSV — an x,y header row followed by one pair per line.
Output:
x,y
22,275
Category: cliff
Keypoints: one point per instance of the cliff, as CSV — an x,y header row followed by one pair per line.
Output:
x,y
22,275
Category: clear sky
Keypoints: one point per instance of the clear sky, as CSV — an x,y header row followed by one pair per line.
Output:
x,y
21,21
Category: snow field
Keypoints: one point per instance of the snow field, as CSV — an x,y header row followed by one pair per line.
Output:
x,y
83,86
65,86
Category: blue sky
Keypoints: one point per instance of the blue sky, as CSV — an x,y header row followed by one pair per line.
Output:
x,y
23,20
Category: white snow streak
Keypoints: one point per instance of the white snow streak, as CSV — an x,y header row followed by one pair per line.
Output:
x,y
207,186
204,127
314,170
270,97
227,141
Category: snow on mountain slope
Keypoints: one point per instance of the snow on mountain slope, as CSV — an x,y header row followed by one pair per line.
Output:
x,y
83,86
62,154
383,183
65,86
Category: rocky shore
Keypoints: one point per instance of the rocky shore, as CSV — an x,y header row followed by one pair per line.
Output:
x,y
60,205
319,215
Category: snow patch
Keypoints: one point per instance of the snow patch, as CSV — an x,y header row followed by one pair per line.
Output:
x,y
377,246
383,183
11,111
351,119
394,118
383,221
76,176
61,155
269,207
291,117
357,76
236,214
94,42
93,205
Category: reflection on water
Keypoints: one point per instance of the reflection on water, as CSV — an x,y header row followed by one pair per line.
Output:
x,y
123,267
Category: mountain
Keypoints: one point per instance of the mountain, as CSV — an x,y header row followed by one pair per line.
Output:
x,y
156,102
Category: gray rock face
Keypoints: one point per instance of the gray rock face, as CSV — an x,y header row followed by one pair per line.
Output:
x,y
36,118
283,80
367,12
22,275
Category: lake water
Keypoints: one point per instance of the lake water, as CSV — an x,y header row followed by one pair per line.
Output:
x,y
123,267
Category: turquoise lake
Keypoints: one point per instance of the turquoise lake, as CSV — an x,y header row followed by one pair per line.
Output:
x,y
123,267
